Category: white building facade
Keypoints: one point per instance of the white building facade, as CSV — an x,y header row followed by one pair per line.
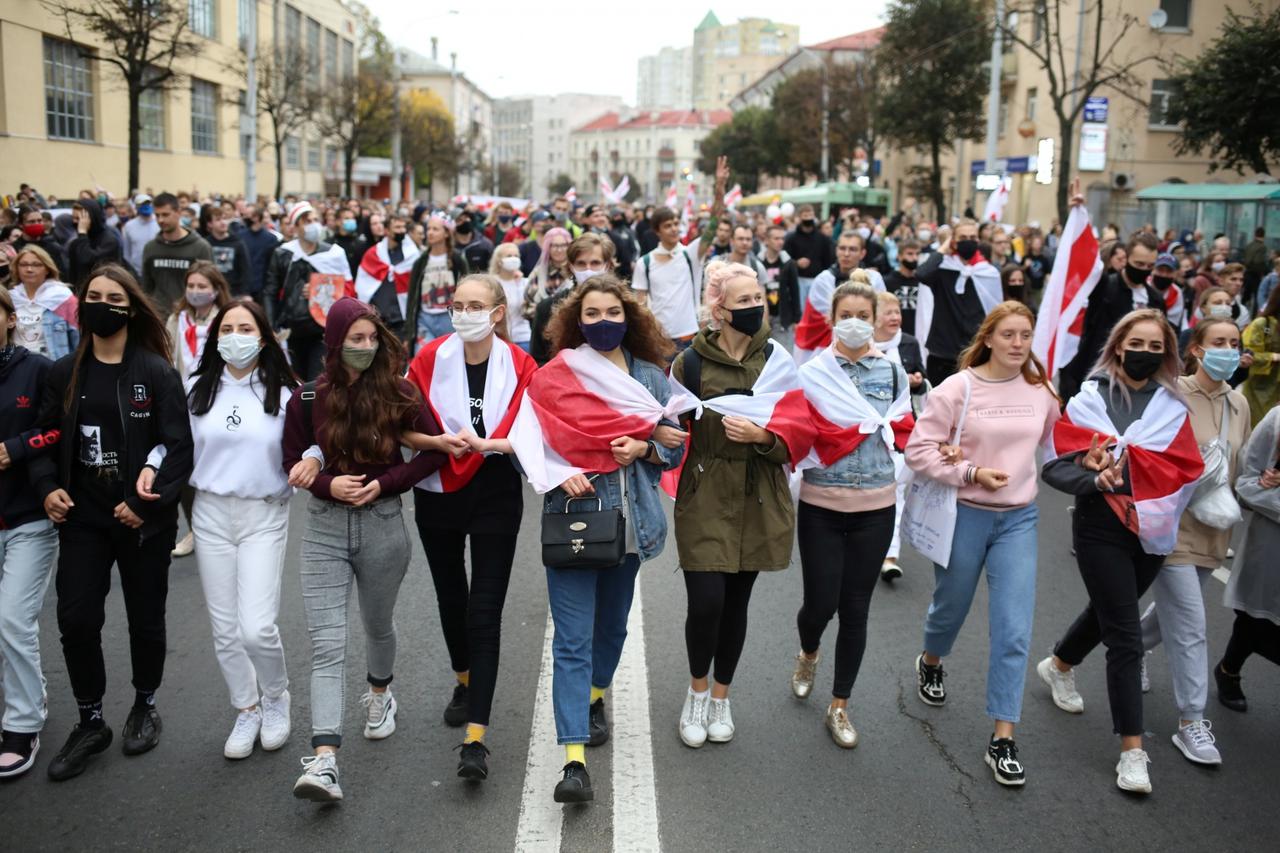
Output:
x,y
533,133
664,81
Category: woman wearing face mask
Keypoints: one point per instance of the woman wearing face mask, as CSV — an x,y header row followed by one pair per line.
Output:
x,y
1214,304
357,414
1126,449
1013,280
46,308
505,266
113,400
431,283
1005,407
734,515
1262,338
237,397
498,224
1207,276
846,516
1176,618
550,274
596,423
903,349
473,381
588,256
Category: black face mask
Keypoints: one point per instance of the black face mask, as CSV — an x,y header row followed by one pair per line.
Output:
x,y
102,319
1141,365
619,223
1161,282
463,227
396,236
747,320
1135,275
806,224
966,249
910,266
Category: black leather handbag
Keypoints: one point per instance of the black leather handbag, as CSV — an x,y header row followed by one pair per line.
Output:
x,y
596,539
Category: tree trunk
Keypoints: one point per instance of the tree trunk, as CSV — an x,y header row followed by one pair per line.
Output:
x,y
935,180
1066,134
135,131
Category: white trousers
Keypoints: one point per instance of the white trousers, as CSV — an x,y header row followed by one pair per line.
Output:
x,y
240,547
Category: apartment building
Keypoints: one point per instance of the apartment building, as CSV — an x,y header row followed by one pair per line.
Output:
x,y
729,57
664,81
470,106
533,133
64,115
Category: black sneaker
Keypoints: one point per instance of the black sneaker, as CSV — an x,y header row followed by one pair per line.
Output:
x,y
1229,692
599,725
141,731
1002,758
23,745
575,787
455,713
73,758
471,763
930,690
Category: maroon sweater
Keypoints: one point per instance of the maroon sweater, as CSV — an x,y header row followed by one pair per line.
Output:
x,y
395,475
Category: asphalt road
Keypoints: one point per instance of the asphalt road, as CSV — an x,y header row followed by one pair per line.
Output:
x,y
916,781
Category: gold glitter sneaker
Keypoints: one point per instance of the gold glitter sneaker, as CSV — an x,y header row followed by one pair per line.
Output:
x,y
802,678
841,728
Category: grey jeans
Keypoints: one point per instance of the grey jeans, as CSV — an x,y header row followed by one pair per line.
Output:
x,y
1177,617
342,543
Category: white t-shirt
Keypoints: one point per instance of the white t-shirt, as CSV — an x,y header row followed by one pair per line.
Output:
x,y
674,284
517,324
437,285
30,330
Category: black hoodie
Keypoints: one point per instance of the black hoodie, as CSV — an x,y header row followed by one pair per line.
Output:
x,y
101,245
21,385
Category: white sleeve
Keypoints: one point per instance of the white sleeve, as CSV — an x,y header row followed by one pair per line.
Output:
x,y
314,452
156,457
639,275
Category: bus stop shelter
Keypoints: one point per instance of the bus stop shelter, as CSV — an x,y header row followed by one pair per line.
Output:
x,y
1231,209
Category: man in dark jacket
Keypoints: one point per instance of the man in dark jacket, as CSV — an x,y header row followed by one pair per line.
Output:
x,y
94,242
349,239
261,242
1116,295
36,232
469,240
812,250
230,255
166,259
625,246
1257,264
783,287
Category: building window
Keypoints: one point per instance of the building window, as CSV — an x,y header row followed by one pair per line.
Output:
x,y
1004,116
770,45
202,17
1032,96
1179,12
331,58
1011,26
1161,96
313,49
292,152
1037,22
68,92
247,19
348,59
151,118
313,156
292,33
204,116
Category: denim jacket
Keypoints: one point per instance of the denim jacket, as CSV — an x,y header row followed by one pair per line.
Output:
x,y
870,465
60,337
644,499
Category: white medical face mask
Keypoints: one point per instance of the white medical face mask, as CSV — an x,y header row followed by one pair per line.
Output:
x,y
854,332
472,326
582,275
511,263
239,351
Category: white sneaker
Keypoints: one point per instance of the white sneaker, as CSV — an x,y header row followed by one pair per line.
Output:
x,y
1131,772
242,738
1146,679
719,721
1063,685
693,719
319,780
275,721
186,545
380,714
1196,742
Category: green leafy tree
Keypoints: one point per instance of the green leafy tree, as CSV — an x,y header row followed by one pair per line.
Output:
x,y
797,118
930,65
1228,97
510,180
750,142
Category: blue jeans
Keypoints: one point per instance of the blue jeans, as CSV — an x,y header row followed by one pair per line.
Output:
x,y
805,285
26,564
432,326
589,608
1005,542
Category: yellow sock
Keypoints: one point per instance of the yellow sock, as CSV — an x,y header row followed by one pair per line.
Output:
x,y
475,733
464,678
575,752
596,693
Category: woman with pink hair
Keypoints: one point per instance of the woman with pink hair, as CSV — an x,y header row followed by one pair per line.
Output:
x,y
551,271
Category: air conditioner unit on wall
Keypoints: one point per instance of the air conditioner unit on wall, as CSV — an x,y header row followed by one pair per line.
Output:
x,y
1122,181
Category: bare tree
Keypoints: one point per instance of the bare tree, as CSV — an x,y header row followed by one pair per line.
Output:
x,y
142,39
287,97
356,114
1098,60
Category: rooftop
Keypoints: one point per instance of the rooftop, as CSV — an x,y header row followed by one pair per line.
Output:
x,y
865,40
658,118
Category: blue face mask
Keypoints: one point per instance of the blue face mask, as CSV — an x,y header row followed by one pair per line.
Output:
x,y
604,335
145,210
349,226
1220,364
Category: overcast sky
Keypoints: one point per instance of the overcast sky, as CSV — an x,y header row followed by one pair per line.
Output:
x,y
542,48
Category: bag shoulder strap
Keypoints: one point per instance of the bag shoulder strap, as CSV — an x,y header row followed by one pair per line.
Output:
x,y
307,393
968,389
693,371
1226,418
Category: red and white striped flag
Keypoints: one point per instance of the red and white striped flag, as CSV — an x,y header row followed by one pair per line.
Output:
x,y
842,416
572,194
994,211
1164,460
813,332
673,197
1076,270
776,403
376,265
733,196
574,407
687,219
440,373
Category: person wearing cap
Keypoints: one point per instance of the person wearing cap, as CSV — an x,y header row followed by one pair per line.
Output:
x,y
470,240
1163,279
138,232
166,258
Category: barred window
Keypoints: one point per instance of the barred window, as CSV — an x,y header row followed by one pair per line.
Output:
x,y
313,156
202,17
292,152
204,117
68,92
331,59
151,116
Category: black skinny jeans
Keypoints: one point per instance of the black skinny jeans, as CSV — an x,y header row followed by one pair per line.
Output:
x,y
471,616
840,556
716,625
86,553
1116,572
1251,635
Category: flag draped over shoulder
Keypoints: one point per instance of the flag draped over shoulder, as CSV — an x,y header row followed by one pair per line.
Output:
x,y
1076,270
843,418
375,266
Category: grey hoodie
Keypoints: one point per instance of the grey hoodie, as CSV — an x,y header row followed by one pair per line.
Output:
x,y
165,265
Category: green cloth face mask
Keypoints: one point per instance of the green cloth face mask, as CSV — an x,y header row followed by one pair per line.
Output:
x,y
358,358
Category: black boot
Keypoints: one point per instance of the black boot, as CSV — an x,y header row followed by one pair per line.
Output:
x,y
599,724
1229,692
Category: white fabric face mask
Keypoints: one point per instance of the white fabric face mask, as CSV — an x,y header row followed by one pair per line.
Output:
x,y
854,332
472,326
239,351
511,263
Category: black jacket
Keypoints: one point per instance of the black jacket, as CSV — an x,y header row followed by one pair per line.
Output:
x,y
261,245
153,411
285,292
815,246
231,257
1109,302
21,385
477,252
101,245
355,245
51,245
956,316
626,250
539,346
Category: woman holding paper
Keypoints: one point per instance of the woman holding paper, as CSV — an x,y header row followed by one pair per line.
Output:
x,y
847,499
998,410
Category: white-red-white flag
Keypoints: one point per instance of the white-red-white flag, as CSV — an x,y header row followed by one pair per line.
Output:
x,y
375,266
687,219
996,202
733,196
813,332
572,194
843,418
673,197
1076,270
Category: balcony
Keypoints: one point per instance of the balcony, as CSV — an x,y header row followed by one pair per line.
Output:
x,y
666,153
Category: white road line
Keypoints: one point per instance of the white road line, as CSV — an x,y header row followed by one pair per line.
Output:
x,y
635,796
540,817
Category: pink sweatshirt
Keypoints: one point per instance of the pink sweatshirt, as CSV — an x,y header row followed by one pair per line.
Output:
x,y
1007,423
